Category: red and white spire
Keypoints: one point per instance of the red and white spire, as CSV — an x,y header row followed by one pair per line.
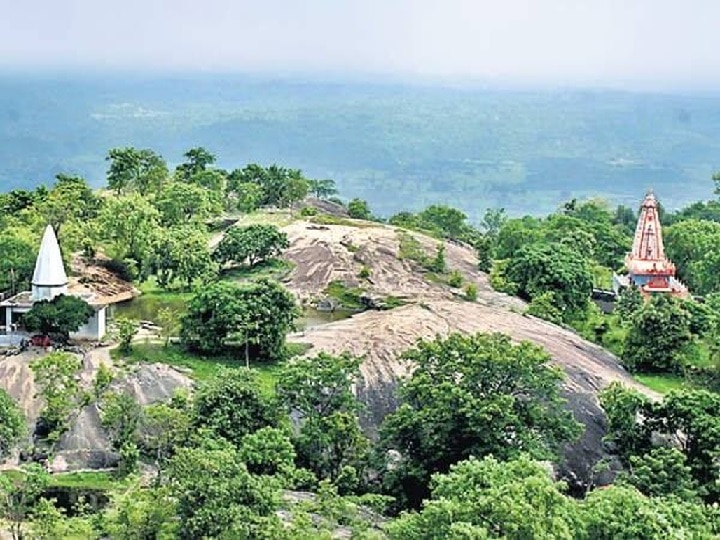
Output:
x,y
648,241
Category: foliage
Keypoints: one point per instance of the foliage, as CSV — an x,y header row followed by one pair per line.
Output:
x,y
137,512
120,414
58,317
231,405
319,389
257,314
57,377
217,496
12,424
455,279
180,203
359,209
164,427
322,189
20,495
541,268
657,337
71,200
169,321
126,330
197,160
629,303
17,262
181,254
471,292
488,498
663,472
268,451
252,244
143,171
545,306
474,395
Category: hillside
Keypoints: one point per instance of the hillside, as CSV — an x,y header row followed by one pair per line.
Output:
x,y
332,253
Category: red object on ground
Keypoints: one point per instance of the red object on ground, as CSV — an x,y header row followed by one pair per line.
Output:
x,y
40,341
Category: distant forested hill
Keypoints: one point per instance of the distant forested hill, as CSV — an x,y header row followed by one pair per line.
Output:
x,y
399,147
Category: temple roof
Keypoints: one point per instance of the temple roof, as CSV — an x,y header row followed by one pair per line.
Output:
x,y
49,267
648,241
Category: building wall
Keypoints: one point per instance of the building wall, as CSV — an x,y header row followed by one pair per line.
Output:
x,y
95,328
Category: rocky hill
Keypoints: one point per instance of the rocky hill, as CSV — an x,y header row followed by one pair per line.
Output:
x,y
392,260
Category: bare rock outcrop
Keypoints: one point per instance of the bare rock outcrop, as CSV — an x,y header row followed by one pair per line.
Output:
x,y
339,251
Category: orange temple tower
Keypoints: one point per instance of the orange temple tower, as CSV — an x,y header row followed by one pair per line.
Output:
x,y
648,268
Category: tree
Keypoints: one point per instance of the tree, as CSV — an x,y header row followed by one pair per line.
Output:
x,y
12,424
181,254
129,225
20,495
449,222
254,244
359,209
267,451
322,189
488,498
17,262
319,389
143,171
217,496
657,337
120,414
630,302
58,317
248,196
164,427
57,377
197,160
126,329
257,315
473,395
70,200
663,472
169,321
139,512
540,268
230,405
493,221
180,203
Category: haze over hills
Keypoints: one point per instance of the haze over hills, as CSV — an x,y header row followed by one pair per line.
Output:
x,y
400,146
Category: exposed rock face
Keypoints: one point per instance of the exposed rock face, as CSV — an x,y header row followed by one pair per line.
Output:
x,y
86,445
381,336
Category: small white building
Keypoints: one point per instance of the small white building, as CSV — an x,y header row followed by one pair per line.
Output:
x,y
50,280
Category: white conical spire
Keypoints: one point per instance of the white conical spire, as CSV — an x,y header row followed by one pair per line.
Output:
x,y
49,279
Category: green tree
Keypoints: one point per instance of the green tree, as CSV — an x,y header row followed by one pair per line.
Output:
x,y
359,209
17,262
296,189
164,427
180,203
473,395
126,330
258,315
248,196
57,377
181,254
630,302
488,498
541,268
267,451
663,472
319,389
120,414
142,170
218,498
169,321
20,495
12,424
129,225
252,244
322,189
138,512
70,200
58,317
447,221
231,405
197,160
657,337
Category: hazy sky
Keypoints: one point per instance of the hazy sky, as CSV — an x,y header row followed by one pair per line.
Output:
x,y
609,42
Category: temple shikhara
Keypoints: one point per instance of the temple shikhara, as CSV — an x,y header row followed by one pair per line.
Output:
x,y
648,268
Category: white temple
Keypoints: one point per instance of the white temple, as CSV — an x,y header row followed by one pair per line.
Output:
x,y
50,280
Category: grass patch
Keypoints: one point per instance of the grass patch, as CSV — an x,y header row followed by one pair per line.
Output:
x,y
348,297
276,269
662,383
202,367
279,218
100,480
328,219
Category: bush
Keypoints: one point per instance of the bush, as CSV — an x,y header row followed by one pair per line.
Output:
x,y
364,273
308,211
455,279
471,292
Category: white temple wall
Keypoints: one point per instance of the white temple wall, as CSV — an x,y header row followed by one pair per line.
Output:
x,y
95,328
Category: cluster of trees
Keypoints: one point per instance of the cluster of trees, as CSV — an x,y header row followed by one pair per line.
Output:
x,y
151,221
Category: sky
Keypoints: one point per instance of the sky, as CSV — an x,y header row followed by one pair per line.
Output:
x,y
617,43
